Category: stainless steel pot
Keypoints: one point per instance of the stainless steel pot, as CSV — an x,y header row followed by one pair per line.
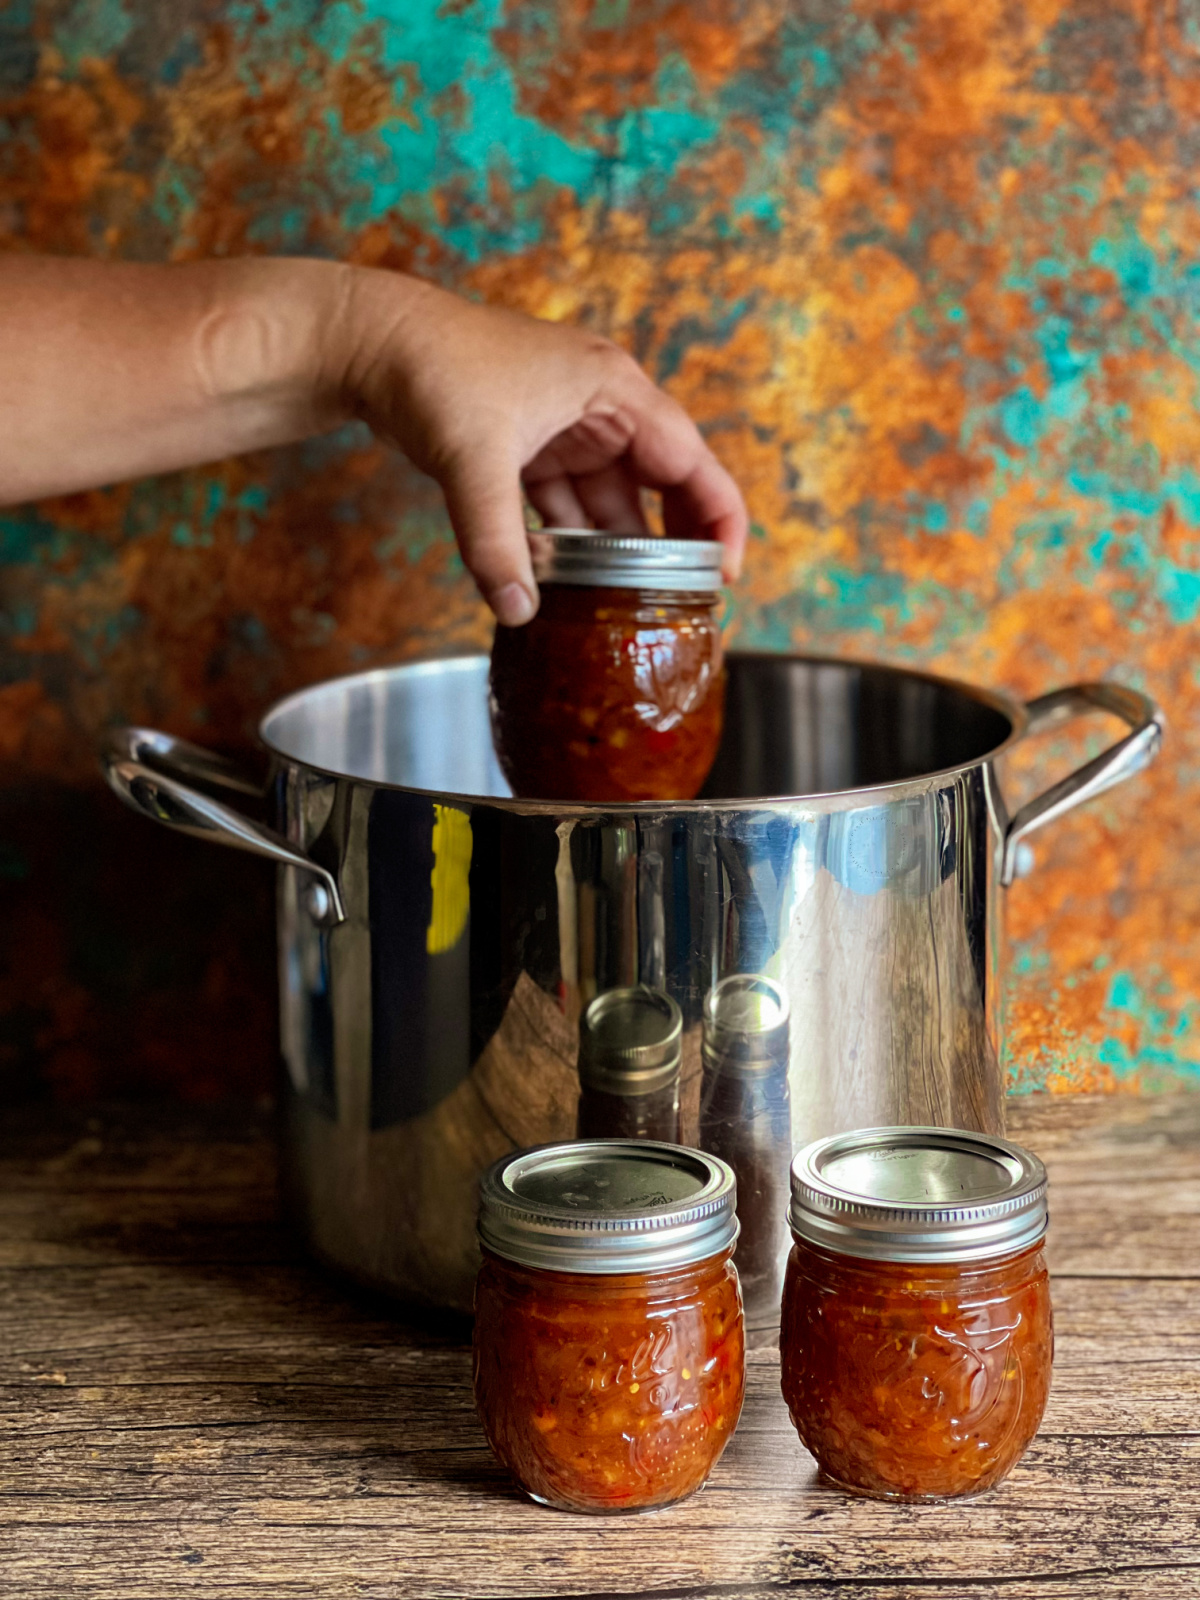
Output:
x,y
439,940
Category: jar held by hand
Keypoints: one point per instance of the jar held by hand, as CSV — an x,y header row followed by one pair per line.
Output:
x,y
615,691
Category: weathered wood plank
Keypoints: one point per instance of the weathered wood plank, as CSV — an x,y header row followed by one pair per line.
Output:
x,y
188,1408
196,1343
416,1524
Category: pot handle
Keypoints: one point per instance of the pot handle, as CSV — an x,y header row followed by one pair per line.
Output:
x,y
166,797
1120,761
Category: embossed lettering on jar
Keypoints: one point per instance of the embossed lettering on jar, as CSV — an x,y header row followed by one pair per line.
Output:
x,y
609,1350
917,1337
616,689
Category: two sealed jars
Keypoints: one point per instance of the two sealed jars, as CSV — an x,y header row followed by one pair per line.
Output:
x,y
615,690
917,1339
609,1353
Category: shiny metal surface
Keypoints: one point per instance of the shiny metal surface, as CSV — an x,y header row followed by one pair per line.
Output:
x,y
608,1207
621,561
630,1041
918,1194
849,847
1123,760
173,802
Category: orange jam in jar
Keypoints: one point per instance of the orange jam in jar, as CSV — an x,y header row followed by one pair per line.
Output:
x,y
615,691
917,1337
609,1354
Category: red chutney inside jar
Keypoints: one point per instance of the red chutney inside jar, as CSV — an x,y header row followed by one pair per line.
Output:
x,y
609,1351
917,1336
616,689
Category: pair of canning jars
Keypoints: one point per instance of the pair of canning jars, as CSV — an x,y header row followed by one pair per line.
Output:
x,y
916,1338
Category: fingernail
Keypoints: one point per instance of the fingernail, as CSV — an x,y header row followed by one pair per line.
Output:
x,y
513,605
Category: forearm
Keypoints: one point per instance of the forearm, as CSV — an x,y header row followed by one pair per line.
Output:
x,y
112,371
109,371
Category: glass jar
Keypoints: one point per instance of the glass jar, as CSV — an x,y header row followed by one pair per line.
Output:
x,y
630,1053
608,1351
917,1339
746,1119
615,691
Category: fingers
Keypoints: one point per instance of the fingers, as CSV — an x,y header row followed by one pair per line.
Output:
x,y
555,501
710,500
609,499
483,497
612,498
617,432
667,452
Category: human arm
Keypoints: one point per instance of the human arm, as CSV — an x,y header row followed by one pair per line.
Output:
x,y
110,371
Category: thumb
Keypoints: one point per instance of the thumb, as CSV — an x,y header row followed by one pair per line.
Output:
x,y
483,497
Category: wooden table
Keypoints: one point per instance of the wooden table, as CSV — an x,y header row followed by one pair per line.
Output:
x,y
191,1409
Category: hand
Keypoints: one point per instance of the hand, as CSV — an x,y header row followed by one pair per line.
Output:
x,y
113,370
489,401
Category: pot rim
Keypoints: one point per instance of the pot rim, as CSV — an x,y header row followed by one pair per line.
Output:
x,y
1006,705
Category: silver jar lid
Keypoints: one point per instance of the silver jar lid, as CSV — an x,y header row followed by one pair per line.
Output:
x,y
608,1206
746,1025
630,1041
625,561
918,1194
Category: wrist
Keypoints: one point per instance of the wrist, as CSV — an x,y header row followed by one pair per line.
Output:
x,y
379,346
266,340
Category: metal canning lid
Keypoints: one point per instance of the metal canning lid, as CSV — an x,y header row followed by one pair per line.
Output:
x,y
746,1024
625,561
630,1041
608,1206
918,1194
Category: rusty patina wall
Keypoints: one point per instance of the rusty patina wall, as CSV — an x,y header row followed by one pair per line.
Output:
x,y
928,273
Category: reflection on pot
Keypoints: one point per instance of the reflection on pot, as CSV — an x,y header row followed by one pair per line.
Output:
x,y
745,1118
630,1051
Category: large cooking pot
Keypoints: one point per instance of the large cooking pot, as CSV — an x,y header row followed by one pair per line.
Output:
x,y
438,940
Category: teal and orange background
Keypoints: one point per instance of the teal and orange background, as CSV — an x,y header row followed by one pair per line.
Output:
x,y
927,272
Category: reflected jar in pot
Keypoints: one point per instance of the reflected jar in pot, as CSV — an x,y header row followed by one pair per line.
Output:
x,y
608,1345
630,1042
917,1337
745,1118
615,690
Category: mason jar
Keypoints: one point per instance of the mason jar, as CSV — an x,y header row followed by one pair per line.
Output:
x,y
745,1118
608,1349
630,1054
615,691
917,1339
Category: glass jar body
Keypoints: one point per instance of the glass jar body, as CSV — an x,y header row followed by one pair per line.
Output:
x,y
745,1119
608,1394
916,1381
609,695
629,1116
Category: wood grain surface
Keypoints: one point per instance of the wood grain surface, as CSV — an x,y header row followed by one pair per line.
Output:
x,y
190,1408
